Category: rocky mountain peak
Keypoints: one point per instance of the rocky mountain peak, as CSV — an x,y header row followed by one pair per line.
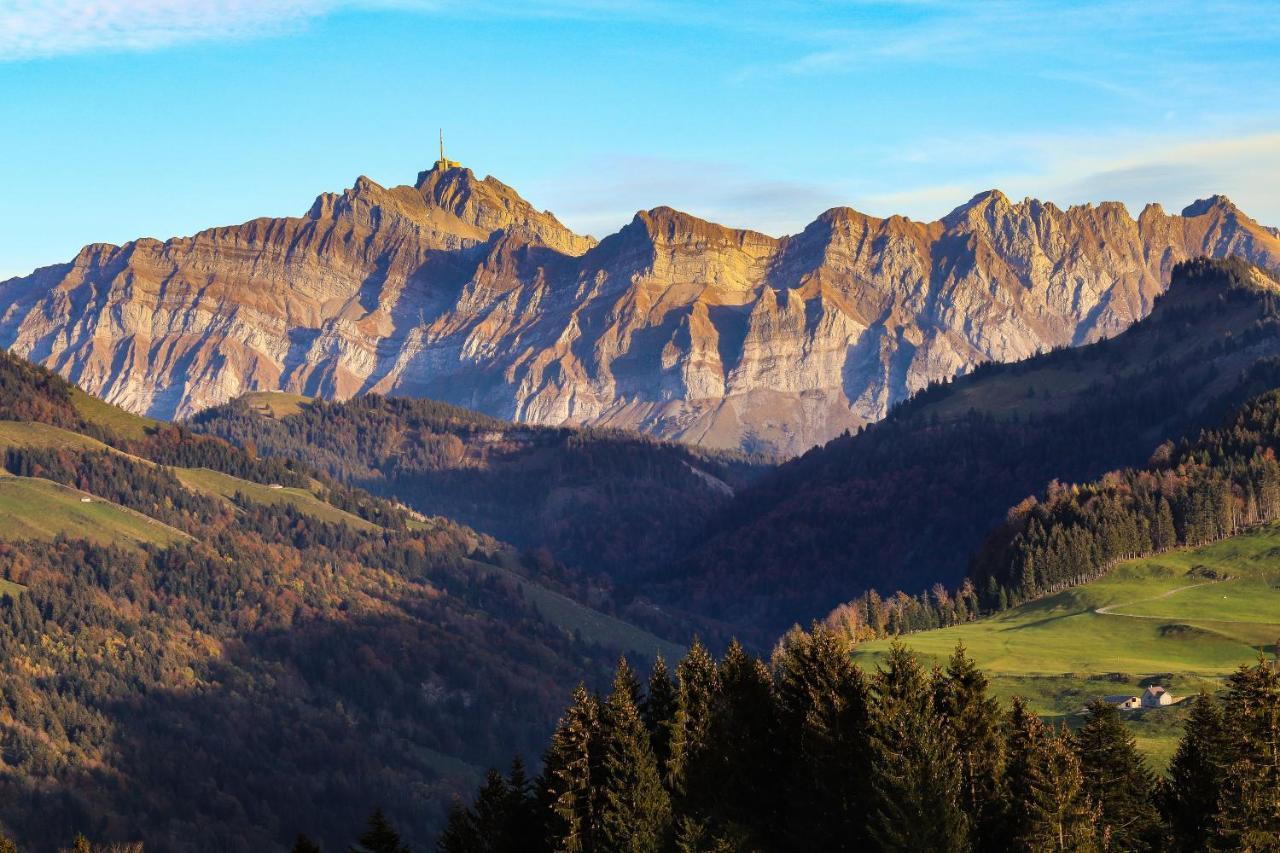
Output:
x,y
1212,204
457,288
491,205
986,205
671,227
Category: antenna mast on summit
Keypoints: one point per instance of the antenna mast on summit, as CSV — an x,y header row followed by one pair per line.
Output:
x,y
442,145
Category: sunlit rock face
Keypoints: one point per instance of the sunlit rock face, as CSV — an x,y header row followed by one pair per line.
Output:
x,y
458,289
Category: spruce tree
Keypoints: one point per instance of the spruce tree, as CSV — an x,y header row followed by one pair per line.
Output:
x,y
522,825
635,814
1249,818
379,837
974,719
659,712
1058,814
744,743
502,819
492,809
1117,781
822,705
690,772
1189,797
460,834
1024,743
915,771
570,777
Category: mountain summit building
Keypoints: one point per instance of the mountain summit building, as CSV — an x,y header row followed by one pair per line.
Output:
x,y
443,163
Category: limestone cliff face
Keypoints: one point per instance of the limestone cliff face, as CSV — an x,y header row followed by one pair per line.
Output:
x,y
456,288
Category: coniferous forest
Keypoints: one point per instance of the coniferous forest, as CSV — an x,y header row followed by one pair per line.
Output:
x,y
808,752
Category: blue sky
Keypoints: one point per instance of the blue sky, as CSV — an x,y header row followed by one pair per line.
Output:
x,y
126,118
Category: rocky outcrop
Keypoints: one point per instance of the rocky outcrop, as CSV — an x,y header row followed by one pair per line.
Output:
x,y
458,289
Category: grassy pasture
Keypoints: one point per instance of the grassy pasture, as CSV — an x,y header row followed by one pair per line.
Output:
x,y
27,434
124,424
1183,619
224,485
277,404
32,508
594,626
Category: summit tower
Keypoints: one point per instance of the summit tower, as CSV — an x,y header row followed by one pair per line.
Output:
x,y
444,163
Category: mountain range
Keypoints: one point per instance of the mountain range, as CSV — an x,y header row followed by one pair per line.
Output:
x,y
457,289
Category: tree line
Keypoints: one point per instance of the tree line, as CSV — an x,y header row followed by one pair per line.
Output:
x,y
1190,493
808,752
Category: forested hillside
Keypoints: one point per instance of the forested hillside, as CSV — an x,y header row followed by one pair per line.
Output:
x,y
904,503
609,502
808,752
1190,493
209,649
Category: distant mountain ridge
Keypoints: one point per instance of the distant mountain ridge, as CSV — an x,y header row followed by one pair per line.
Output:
x,y
458,289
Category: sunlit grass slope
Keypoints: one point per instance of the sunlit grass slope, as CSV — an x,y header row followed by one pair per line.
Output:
x,y
122,423
1183,619
224,485
32,508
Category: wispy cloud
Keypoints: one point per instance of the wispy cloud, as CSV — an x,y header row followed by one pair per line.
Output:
x,y
601,196
40,28
32,29
1100,43
1134,168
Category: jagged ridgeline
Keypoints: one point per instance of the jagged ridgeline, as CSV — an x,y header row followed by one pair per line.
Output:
x,y
210,649
905,503
457,289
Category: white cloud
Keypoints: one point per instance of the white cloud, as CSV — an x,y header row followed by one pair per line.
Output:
x,y
40,28
32,29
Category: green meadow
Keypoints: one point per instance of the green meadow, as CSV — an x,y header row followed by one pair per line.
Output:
x,y
1183,619
277,404
224,485
125,424
32,508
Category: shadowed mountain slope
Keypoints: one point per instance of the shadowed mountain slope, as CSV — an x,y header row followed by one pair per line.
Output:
x,y
904,503
611,503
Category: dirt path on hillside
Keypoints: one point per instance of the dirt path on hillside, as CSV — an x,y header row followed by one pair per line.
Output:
x,y
1106,611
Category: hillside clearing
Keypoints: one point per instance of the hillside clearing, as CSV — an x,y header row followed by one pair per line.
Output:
x,y
594,626
1142,623
224,485
277,404
33,508
122,423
